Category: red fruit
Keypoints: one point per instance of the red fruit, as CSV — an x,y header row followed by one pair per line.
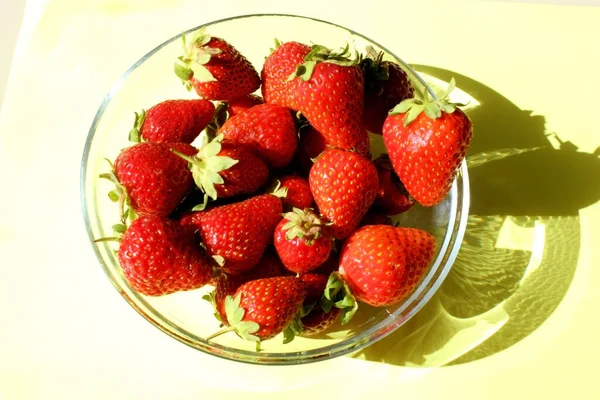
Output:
x,y
344,185
330,265
155,179
214,68
330,94
267,130
173,121
317,320
311,144
392,197
386,85
263,308
241,104
238,233
226,285
246,177
298,192
302,241
427,148
159,257
278,67
382,264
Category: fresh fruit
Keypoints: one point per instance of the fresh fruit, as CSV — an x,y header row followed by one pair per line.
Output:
x,y
226,170
344,185
386,85
316,320
302,240
226,285
214,68
172,121
382,264
427,140
237,234
241,104
159,257
310,145
276,88
392,197
267,130
155,179
330,94
262,308
298,192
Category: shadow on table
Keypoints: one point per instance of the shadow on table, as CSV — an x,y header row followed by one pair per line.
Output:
x,y
521,245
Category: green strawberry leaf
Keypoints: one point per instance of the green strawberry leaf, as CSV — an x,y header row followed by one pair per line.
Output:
x,y
433,111
200,73
114,195
413,113
338,294
182,70
119,228
293,329
135,132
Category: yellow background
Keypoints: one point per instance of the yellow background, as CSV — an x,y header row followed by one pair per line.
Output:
x,y
527,279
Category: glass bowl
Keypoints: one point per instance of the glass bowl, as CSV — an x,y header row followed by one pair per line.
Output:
x,y
186,316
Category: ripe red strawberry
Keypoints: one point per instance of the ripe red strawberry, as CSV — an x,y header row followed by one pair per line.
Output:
x,y
159,257
386,85
310,145
155,179
226,285
298,192
427,141
237,234
267,130
382,264
226,170
262,308
172,121
302,241
344,185
317,320
330,94
278,67
214,68
241,104
392,197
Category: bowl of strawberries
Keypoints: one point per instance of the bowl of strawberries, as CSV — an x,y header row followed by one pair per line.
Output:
x,y
275,201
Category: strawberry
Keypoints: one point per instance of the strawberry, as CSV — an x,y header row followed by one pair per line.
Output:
x,y
172,121
330,94
302,241
226,170
427,141
344,185
266,129
392,197
298,192
226,285
386,85
310,145
155,179
237,234
214,68
278,67
316,320
241,104
382,264
262,308
159,257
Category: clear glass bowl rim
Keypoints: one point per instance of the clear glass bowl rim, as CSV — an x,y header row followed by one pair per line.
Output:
x,y
432,281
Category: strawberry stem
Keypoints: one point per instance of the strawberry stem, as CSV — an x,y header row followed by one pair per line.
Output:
x,y
220,332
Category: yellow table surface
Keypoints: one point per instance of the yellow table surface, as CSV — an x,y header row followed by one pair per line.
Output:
x,y
518,315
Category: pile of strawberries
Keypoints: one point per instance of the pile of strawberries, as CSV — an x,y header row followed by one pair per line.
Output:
x,y
274,199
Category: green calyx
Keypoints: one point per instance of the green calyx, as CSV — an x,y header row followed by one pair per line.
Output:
x,y
338,294
135,134
196,54
235,314
318,53
206,165
220,117
120,196
303,224
421,103
278,191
